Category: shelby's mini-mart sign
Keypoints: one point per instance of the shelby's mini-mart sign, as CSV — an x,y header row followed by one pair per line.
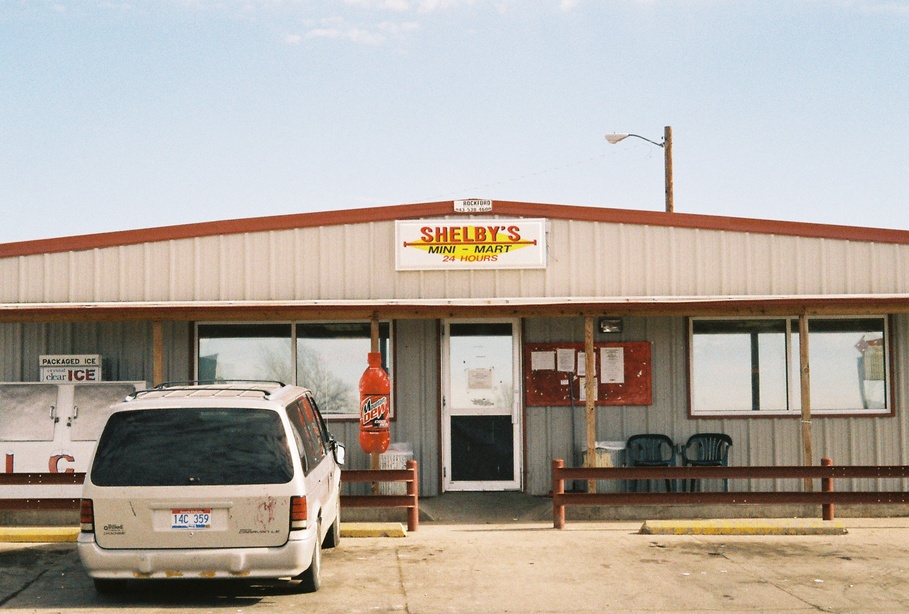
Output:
x,y
70,368
470,244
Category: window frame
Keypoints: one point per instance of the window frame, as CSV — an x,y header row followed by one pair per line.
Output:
x,y
247,326
793,369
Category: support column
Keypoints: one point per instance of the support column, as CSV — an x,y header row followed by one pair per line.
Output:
x,y
805,382
158,352
590,382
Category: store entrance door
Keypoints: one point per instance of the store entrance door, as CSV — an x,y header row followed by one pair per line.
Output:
x,y
481,417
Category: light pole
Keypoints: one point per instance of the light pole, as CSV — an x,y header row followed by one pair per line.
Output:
x,y
667,157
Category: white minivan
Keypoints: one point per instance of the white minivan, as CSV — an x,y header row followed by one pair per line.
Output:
x,y
225,480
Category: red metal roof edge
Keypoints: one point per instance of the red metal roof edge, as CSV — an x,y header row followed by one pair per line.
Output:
x,y
439,208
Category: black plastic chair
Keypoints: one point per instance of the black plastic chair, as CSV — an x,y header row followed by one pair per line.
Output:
x,y
707,450
650,450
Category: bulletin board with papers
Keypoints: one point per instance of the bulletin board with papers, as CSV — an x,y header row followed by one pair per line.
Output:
x,y
554,374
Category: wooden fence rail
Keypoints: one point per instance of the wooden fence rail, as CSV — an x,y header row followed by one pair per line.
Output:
x,y
826,498
409,475
40,479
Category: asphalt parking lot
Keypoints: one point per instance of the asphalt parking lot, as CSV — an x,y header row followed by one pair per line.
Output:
x,y
526,567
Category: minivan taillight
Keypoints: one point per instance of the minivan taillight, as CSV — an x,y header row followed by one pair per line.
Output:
x,y
297,513
87,516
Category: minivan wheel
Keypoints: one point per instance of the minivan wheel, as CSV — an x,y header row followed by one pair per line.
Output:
x,y
311,579
333,537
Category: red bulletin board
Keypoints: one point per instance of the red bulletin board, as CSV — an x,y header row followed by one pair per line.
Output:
x,y
546,385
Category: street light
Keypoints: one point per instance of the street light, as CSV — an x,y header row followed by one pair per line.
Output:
x,y
667,156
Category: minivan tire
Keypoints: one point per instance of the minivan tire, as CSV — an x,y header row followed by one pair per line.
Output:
x,y
106,586
333,537
311,579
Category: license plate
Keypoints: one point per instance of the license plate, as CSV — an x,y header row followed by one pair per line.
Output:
x,y
190,519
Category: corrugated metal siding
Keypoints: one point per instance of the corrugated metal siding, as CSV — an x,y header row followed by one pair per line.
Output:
x,y
125,348
11,352
356,261
417,396
757,441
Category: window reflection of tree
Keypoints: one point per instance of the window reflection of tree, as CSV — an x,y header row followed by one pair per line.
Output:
x,y
333,395
275,363
505,395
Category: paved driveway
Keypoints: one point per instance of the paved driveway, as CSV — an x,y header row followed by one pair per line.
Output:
x,y
527,567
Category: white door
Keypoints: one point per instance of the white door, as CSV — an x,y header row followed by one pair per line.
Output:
x,y
481,409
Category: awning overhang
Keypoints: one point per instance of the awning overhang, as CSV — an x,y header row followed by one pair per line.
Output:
x,y
449,308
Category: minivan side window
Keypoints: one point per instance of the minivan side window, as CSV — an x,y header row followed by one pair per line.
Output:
x,y
314,422
323,427
309,440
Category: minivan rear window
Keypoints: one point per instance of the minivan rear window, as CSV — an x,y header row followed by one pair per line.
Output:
x,y
192,446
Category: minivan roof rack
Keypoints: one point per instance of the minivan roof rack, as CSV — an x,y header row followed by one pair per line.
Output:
x,y
214,385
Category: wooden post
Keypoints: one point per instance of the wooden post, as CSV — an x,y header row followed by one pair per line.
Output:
x,y
157,352
667,158
590,382
827,486
374,333
558,489
805,380
413,512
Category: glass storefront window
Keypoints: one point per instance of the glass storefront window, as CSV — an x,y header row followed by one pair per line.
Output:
x,y
331,358
847,360
326,357
751,366
245,351
739,365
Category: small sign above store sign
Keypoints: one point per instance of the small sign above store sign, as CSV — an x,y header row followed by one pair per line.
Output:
x,y
473,205
470,244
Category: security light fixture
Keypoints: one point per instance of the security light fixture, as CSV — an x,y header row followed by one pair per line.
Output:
x,y
615,137
610,325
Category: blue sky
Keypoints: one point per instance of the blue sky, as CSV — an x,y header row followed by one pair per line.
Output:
x,y
119,115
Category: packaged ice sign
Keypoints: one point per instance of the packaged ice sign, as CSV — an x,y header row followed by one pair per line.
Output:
x,y
470,244
71,375
70,368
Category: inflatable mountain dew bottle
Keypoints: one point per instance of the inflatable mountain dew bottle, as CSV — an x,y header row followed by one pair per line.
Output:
x,y
374,406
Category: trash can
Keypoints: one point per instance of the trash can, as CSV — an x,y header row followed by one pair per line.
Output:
x,y
609,454
395,457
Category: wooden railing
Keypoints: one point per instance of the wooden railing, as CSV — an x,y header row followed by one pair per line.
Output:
x,y
826,498
40,479
409,475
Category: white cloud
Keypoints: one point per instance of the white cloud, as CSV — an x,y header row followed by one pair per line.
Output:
x,y
293,39
391,5
400,28
428,6
337,28
895,8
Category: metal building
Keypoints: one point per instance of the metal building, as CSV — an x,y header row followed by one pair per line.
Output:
x,y
484,312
